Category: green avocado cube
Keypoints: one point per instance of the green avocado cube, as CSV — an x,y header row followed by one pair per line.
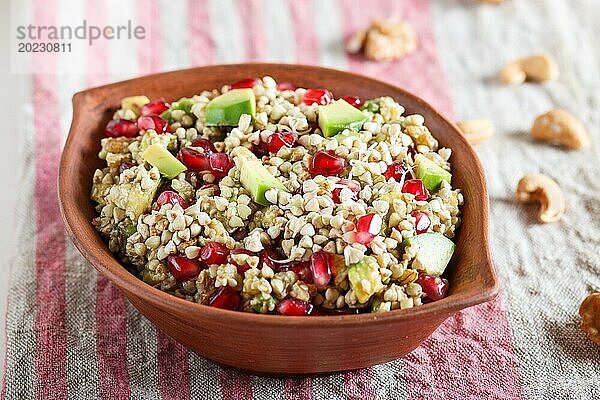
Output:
x,y
371,105
158,156
434,251
257,179
140,201
430,173
340,115
183,104
226,109
364,278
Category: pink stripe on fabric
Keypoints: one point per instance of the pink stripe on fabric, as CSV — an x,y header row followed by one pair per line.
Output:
x,y
51,334
235,385
149,50
307,52
470,356
360,384
298,389
200,43
461,357
420,72
111,341
303,25
252,29
111,307
97,55
173,369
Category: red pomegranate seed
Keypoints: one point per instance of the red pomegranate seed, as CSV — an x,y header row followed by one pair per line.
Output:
x,y
245,83
146,122
241,268
194,159
320,96
320,267
294,307
226,298
171,197
353,101
182,267
422,221
220,164
367,227
155,107
260,149
214,253
396,170
345,183
338,265
206,144
412,150
121,127
283,86
270,257
125,165
434,287
416,187
326,163
279,139
300,268
318,311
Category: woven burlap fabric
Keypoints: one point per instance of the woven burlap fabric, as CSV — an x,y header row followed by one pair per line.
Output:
x,y
526,344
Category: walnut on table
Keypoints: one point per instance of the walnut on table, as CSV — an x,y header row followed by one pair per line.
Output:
x,y
590,317
385,40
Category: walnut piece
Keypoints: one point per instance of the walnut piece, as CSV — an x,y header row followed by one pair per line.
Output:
x,y
385,40
356,42
476,130
542,189
590,316
561,127
534,68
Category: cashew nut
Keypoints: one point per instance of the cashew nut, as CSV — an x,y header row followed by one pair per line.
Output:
x,y
535,68
562,127
477,130
590,316
542,189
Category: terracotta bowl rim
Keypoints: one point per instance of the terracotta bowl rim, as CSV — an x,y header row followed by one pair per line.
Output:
x,y
118,275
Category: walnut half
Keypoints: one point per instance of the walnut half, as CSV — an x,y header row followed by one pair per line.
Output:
x,y
385,40
590,316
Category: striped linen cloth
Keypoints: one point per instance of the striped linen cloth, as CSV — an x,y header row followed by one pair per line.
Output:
x,y
71,334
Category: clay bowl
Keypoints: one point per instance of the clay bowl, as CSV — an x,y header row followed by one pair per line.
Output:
x,y
271,344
